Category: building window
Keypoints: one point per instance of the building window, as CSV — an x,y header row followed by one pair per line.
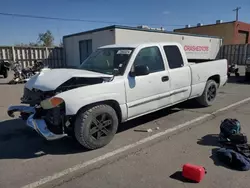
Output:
x,y
174,57
85,49
150,56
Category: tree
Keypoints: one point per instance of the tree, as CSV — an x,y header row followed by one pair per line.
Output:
x,y
33,44
60,44
46,39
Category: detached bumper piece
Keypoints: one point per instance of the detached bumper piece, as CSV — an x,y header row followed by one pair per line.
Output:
x,y
39,125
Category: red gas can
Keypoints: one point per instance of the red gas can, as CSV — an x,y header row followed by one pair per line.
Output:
x,y
193,172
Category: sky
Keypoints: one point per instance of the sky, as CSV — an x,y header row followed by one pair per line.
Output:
x,y
170,14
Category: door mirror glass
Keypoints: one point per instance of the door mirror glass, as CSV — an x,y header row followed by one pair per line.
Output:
x,y
140,70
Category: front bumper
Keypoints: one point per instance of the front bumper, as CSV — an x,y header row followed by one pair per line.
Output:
x,y
39,125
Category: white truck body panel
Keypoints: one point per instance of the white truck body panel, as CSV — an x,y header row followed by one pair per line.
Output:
x,y
55,77
195,46
202,71
140,95
135,80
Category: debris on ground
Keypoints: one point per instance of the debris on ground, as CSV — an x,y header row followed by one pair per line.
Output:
x,y
147,130
234,151
233,159
144,130
193,172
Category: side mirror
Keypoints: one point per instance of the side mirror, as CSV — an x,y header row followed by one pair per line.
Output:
x,y
116,72
140,70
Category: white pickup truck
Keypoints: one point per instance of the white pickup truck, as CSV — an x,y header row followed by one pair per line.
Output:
x,y
116,83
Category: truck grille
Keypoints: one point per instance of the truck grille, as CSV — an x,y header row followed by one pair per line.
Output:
x,y
35,96
53,117
31,97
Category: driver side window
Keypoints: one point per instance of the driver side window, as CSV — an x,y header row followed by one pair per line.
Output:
x,y
151,57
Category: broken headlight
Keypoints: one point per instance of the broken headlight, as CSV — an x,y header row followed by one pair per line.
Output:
x,y
51,103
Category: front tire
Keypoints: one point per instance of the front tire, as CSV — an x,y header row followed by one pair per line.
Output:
x,y
96,126
209,94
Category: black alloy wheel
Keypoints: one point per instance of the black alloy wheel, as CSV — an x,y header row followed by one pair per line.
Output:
x,y
211,93
96,126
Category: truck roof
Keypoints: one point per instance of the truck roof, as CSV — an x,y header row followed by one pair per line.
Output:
x,y
135,45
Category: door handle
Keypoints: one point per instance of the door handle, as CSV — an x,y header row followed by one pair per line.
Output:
x,y
164,78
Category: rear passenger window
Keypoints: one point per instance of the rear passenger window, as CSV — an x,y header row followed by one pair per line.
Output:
x,y
150,56
174,57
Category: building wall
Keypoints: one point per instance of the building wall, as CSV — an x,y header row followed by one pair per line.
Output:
x,y
224,30
242,33
124,36
71,44
231,32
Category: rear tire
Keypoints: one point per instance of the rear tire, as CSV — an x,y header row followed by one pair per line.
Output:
x,y
209,94
96,126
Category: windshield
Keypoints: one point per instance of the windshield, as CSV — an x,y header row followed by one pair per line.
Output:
x,y
105,60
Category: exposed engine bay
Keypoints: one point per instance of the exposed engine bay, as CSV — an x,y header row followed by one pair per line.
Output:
x,y
35,96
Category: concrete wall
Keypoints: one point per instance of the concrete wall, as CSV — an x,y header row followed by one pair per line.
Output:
x,y
223,30
71,44
124,36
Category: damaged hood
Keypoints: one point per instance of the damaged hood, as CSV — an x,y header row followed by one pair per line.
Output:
x,y
50,79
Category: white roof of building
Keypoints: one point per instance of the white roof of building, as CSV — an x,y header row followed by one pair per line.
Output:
x,y
135,45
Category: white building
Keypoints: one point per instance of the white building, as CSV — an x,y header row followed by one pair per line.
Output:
x,y
79,46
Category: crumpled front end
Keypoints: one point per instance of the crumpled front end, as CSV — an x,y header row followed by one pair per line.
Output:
x,y
43,110
47,123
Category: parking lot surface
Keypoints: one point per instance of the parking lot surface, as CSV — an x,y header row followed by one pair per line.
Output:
x,y
160,164
26,158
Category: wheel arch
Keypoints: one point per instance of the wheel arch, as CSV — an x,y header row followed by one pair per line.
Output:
x,y
216,78
113,103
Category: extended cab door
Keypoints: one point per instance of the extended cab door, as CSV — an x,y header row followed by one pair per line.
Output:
x,y
145,92
179,73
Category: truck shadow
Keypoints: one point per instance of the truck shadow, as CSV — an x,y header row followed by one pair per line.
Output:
x,y
238,80
146,119
17,141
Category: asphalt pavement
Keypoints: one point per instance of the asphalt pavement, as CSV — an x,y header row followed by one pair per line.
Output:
x,y
160,165
26,159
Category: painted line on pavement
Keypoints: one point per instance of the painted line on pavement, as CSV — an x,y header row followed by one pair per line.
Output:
x,y
127,147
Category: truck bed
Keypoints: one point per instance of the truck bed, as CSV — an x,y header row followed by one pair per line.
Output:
x,y
201,72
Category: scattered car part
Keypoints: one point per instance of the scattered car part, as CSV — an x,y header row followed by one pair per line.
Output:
x,y
22,75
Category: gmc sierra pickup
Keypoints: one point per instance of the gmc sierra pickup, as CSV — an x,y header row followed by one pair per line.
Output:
x,y
116,83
